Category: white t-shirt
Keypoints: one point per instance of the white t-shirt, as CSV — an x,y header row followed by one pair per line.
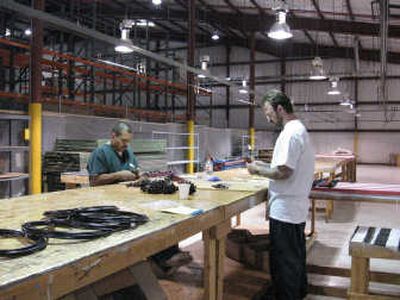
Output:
x,y
288,199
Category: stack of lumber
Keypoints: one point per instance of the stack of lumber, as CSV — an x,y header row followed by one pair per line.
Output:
x,y
68,156
58,162
75,145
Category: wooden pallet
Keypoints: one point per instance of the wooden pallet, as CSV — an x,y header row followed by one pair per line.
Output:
x,y
55,161
75,145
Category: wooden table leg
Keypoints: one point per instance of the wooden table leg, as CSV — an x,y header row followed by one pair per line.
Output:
x,y
214,258
359,275
313,213
349,171
210,266
238,220
329,209
329,203
220,267
69,186
147,281
140,273
353,171
345,172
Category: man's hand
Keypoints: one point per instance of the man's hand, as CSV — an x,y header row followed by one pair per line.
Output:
x,y
111,178
126,175
264,169
252,168
262,164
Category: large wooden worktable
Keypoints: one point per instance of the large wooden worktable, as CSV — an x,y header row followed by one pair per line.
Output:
x,y
359,192
356,192
64,267
324,164
328,163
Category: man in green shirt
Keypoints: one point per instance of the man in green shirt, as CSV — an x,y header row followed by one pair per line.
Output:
x,y
115,162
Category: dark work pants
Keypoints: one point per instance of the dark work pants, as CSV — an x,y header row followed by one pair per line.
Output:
x,y
288,260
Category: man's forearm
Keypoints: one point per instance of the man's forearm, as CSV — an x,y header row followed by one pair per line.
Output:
x,y
273,173
104,179
262,164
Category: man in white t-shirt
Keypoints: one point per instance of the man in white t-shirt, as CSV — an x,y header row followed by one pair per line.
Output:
x,y
291,173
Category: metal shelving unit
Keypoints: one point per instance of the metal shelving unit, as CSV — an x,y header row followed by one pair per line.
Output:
x,y
13,148
10,175
171,148
14,178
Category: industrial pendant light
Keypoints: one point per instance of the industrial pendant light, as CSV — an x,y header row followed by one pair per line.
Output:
x,y
346,101
205,59
28,31
124,37
215,35
243,89
317,72
141,67
353,110
245,101
333,91
156,2
280,30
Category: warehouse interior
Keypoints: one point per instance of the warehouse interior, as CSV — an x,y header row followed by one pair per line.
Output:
x,y
189,77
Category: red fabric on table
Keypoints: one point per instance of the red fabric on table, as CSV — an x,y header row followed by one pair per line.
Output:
x,y
364,188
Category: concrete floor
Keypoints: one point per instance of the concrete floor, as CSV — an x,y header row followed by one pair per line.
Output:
x,y
330,249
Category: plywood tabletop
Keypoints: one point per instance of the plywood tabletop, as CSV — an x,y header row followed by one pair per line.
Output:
x,y
322,166
75,178
239,174
59,253
244,186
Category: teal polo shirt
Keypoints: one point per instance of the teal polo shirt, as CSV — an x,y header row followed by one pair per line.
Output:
x,y
105,160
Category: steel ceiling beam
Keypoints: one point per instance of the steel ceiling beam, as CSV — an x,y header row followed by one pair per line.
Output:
x,y
258,23
295,49
305,49
350,10
316,5
213,15
90,33
233,7
239,13
225,31
168,29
